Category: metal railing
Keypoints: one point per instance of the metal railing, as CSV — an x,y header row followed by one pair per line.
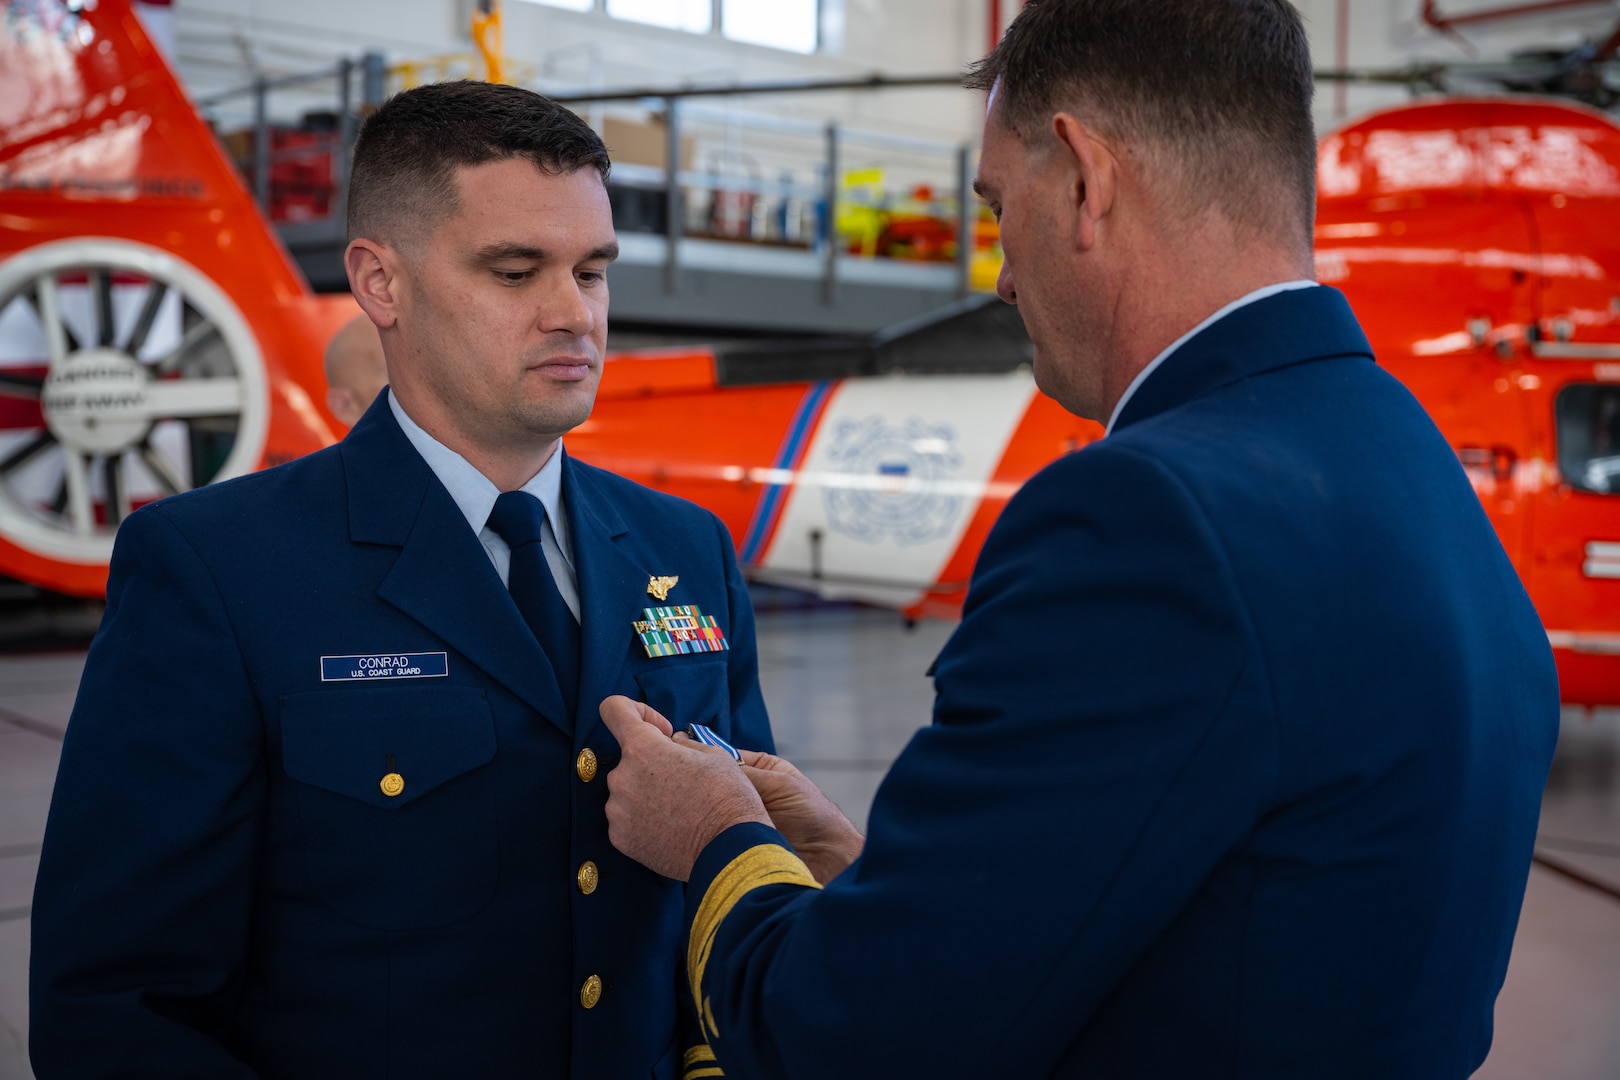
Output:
x,y
675,107
824,151
371,71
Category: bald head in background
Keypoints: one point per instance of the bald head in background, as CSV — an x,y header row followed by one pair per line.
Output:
x,y
355,370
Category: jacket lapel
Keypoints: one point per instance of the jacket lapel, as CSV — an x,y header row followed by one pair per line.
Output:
x,y
612,589
1281,330
443,577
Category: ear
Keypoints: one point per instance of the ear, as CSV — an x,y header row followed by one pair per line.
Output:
x,y
1094,176
340,402
373,270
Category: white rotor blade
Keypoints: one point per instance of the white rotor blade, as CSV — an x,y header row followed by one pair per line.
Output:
x,y
168,400
50,317
78,492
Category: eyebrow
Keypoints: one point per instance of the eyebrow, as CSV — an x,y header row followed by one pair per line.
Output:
x,y
525,253
980,188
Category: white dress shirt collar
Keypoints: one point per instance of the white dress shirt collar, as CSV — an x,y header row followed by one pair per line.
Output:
x,y
472,491
1243,301
475,494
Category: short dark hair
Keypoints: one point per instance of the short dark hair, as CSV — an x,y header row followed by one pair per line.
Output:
x,y
1222,86
408,151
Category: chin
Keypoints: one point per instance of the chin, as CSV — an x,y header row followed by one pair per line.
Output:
x,y
555,417
1072,398
1044,369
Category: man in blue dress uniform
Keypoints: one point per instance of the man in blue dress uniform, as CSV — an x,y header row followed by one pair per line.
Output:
x,y
331,800
1238,751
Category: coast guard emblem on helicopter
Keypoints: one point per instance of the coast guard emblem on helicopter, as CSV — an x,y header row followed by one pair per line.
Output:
x,y
894,482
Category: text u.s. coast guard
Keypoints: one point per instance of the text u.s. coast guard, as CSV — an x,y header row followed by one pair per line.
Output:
x,y
384,666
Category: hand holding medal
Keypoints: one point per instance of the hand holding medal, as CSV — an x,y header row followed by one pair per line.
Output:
x,y
668,798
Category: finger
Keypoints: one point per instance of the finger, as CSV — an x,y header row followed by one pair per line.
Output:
x,y
656,719
703,747
765,783
626,719
759,759
775,782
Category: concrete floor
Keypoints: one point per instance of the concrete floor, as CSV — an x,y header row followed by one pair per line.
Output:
x,y
846,690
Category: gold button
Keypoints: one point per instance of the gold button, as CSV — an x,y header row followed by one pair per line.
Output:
x,y
591,992
585,764
587,877
392,784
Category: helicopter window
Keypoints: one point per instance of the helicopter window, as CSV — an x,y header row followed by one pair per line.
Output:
x,y
1589,438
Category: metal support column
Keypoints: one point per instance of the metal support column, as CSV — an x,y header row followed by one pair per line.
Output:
x,y
967,216
674,216
261,143
345,137
829,222
374,83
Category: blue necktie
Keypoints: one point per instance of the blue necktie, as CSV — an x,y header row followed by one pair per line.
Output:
x,y
517,519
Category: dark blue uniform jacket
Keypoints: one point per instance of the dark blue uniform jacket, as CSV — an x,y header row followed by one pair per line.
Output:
x,y
226,890
1235,767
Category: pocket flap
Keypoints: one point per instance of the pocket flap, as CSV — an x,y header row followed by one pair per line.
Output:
x,y
689,693
343,740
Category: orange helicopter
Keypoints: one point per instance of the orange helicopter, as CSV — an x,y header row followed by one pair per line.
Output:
x,y
154,336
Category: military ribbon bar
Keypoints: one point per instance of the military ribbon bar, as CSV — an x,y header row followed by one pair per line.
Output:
x,y
672,631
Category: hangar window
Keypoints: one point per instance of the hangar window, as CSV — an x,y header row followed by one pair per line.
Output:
x,y
793,25
780,24
696,16
1589,438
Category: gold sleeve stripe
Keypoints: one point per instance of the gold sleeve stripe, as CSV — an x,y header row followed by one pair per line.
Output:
x,y
761,865
697,1054
693,1075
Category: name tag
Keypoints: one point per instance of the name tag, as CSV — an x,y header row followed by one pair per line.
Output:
x,y
422,665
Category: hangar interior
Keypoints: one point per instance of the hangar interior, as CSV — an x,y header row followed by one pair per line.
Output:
x,y
790,191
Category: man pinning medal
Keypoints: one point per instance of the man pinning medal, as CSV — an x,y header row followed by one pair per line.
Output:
x,y
331,802
1237,754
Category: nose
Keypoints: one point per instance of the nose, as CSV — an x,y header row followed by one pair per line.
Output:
x,y
568,309
1004,283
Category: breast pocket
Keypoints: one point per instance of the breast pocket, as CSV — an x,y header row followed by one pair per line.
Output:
x,y
693,692
396,800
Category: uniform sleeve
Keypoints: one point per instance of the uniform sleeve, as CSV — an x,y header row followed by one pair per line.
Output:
x,y
750,728
1102,735
141,906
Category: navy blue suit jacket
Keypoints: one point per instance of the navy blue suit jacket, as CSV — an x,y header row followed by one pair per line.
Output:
x,y
226,890
1235,766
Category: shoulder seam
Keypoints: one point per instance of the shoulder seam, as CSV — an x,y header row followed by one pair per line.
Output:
x,y
158,513
1219,546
